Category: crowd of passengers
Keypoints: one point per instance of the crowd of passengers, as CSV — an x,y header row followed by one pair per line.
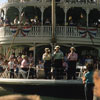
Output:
x,y
55,65
24,21
35,21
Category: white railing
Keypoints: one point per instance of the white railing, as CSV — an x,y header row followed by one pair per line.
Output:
x,y
70,31
46,31
13,1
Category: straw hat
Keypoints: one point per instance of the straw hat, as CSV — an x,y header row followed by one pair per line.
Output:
x,y
24,56
32,20
72,48
47,49
57,46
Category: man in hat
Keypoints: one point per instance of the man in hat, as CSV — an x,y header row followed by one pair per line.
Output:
x,y
47,63
72,59
58,57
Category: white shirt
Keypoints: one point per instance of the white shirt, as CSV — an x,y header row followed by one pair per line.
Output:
x,y
24,64
11,65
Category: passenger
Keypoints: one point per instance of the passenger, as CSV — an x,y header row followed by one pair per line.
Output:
x,y
16,66
47,63
11,67
47,22
65,65
25,65
13,55
30,58
32,71
7,22
19,58
89,60
1,59
3,66
40,70
72,59
88,82
1,22
27,22
32,21
96,78
40,64
58,57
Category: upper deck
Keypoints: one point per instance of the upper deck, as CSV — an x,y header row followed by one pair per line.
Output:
x,y
84,23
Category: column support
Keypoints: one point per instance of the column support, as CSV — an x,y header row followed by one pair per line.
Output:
x,y
87,18
52,47
20,12
42,11
5,12
65,10
34,52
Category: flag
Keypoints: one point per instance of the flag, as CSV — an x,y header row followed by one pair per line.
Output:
x,y
26,29
92,32
23,30
13,29
82,31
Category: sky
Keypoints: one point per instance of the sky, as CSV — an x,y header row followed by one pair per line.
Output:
x,y
2,1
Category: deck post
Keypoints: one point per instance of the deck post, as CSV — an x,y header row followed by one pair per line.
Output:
x,y
87,17
34,51
53,40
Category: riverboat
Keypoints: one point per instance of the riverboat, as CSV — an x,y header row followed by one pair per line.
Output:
x,y
77,23
26,26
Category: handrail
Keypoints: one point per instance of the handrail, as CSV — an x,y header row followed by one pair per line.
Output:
x,y
42,31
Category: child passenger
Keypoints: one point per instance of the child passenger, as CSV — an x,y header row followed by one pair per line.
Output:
x,y
88,82
11,67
